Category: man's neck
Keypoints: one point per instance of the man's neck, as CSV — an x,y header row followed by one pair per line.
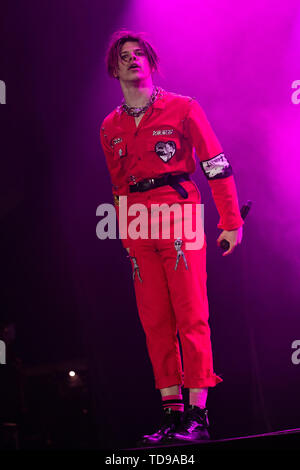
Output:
x,y
137,95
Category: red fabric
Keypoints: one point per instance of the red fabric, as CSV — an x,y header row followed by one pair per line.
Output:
x,y
170,300
165,195
131,157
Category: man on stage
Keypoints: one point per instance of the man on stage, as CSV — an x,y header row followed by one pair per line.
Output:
x,y
149,142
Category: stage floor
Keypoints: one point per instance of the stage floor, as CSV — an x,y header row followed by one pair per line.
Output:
x,y
279,440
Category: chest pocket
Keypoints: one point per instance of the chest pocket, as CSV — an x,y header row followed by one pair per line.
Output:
x,y
164,147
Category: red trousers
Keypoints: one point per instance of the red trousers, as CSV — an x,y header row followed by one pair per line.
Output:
x,y
172,301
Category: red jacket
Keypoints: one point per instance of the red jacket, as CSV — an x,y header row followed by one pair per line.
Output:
x,y
165,141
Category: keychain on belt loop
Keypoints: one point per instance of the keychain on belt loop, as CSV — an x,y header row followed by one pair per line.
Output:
x,y
136,268
180,254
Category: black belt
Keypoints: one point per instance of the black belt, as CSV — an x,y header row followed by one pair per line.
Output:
x,y
167,179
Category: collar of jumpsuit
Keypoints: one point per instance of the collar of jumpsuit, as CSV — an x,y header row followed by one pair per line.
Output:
x,y
137,111
158,102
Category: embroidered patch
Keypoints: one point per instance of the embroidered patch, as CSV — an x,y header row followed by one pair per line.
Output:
x,y
216,167
117,140
119,147
165,150
163,132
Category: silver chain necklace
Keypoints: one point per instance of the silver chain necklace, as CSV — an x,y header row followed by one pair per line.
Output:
x,y
135,110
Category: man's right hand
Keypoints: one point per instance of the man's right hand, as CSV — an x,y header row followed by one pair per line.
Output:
x,y
128,250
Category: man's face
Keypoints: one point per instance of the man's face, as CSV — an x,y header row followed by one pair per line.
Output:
x,y
131,53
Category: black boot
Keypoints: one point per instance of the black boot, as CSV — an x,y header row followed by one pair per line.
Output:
x,y
171,421
194,426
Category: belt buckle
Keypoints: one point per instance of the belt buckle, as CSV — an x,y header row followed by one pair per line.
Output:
x,y
147,184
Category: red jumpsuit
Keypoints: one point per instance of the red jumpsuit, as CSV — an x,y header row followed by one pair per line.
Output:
x,y
171,300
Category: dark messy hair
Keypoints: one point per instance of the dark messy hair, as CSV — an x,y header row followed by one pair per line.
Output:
x,y
115,45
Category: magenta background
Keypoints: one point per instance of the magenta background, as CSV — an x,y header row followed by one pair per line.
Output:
x,y
71,294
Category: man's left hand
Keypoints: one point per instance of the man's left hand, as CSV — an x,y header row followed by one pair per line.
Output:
x,y
234,237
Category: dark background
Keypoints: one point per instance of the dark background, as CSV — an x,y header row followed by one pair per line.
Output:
x,y
68,297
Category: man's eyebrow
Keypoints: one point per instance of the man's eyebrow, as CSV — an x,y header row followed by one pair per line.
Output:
x,y
138,49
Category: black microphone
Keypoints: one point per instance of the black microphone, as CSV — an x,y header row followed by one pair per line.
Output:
x,y
244,212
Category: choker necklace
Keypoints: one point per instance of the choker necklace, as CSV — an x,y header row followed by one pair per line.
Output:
x,y
136,111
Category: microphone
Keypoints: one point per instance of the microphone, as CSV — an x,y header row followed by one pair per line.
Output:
x,y
244,212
